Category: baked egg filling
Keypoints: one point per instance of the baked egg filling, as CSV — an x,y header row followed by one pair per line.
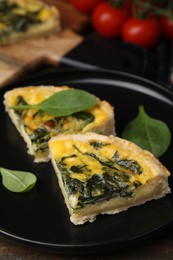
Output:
x,y
96,171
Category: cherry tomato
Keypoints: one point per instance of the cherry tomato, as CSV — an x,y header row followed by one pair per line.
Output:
x,y
143,32
85,6
167,26
108,20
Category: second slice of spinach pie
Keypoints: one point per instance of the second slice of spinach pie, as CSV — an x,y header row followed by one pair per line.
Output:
x,y
104,174
23,19
37,125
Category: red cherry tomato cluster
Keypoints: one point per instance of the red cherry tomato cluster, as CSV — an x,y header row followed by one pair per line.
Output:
x,y
119,21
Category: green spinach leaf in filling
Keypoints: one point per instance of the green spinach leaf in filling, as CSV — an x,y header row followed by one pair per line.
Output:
x,y
68,124
112,182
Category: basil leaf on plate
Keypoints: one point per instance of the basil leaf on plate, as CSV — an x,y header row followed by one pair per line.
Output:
x,y
64,103
17,181
149,133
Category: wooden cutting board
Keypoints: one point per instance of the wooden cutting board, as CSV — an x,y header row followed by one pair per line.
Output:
x,y
20,58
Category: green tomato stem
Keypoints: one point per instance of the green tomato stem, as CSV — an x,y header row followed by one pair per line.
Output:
x,y
116,3
141,9
149,7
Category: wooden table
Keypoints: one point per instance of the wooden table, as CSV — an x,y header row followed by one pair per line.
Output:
x,y
157,247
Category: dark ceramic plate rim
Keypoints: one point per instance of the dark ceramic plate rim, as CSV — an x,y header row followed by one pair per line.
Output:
x,y
89,75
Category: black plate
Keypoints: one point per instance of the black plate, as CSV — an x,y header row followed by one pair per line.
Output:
x,y
39,217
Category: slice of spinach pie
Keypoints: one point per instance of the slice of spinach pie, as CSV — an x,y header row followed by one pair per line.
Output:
x,y
22,19
104,174
37,126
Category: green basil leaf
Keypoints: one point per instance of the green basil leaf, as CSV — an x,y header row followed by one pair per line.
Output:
x,y
148,133
64,103
17,181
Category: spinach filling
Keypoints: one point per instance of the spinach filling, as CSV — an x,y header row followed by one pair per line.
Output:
x,y
112,182
15,21
41,136
68,124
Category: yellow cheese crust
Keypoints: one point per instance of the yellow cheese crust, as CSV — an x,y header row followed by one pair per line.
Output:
x,y
105,174
22,19
31,123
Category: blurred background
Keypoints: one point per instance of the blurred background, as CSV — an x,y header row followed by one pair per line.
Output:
x,y
130,36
